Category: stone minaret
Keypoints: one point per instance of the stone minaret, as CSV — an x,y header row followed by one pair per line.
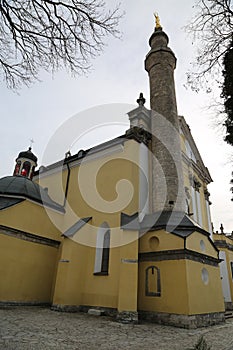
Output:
x,y
167,177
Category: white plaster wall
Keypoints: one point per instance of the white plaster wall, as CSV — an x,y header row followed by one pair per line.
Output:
x,y
224,277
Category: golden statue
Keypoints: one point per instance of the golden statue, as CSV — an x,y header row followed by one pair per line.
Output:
x,y
157,21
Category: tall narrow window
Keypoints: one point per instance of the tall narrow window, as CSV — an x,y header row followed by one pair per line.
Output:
x,y
102,250
232,270
105,253
153,283
17,167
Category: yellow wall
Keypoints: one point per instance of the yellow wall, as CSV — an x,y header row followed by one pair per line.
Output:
x,y
76,283
174,297
204,298
174,293
103,200
193,242
26,270
182,288
55,182
229,256
98,187
110,180
128,274
159,241
32,218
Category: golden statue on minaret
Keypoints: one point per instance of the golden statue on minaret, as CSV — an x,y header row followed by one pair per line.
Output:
x,y
157,21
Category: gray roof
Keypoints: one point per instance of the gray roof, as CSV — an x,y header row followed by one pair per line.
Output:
x,y
6,202
174,222
22,187
76,227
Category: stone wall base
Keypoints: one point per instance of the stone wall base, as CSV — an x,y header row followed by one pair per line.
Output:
x,y
105,311
228,305
65,308
183,321
127,317
123,317
24,303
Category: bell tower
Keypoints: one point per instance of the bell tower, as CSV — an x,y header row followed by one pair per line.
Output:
x,y
167,177
25,164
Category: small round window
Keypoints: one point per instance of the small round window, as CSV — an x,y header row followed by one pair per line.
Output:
x,y
205,276
154,242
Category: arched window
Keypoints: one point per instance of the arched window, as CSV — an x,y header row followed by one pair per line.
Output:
x,y
32,172
26,169
153,283
102,250
17,167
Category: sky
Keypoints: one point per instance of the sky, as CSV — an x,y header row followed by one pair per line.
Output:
x,y
117,77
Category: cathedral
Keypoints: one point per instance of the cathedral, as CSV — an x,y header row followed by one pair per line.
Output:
x,y
122,229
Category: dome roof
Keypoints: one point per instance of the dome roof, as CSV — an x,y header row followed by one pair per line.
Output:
x,y
20,186
28,154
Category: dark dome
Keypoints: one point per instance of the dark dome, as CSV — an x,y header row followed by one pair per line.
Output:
x,y
20,186
28,154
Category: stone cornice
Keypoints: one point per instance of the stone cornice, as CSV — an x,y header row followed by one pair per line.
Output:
x,y
179,254
223,244
138,134
202,173
8,231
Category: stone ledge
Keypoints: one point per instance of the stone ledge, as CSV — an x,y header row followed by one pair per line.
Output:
x,y
228,306
183,321
127,317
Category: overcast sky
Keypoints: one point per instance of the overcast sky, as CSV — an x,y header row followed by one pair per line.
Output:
x,y
118,76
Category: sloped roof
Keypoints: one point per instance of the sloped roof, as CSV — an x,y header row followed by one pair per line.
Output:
x,y
172,221
6,202
177,223
76,227
22,187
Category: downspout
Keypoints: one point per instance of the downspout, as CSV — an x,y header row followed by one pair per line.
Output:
x,y
67,183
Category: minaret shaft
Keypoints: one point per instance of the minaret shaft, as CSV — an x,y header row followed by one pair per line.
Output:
x,y
167,175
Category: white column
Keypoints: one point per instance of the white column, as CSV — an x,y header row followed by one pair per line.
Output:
x,y
224,277
199,213
193,195
143,181
209,219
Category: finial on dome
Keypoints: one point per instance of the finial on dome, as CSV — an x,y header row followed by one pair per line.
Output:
x,y
157,21
31,143
141,100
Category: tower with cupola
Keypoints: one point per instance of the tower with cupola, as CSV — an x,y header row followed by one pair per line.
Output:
x,y
26,163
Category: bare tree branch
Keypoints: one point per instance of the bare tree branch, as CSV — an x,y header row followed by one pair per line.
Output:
x,y
51,34
212,30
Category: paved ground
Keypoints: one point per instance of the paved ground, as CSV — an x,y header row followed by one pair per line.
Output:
x,y
24,328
